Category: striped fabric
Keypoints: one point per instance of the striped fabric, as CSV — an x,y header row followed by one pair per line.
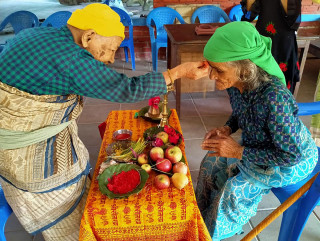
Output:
x,y
33,213
43,182
54,163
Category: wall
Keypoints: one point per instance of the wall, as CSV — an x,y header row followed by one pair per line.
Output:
x,y
141,33
308,7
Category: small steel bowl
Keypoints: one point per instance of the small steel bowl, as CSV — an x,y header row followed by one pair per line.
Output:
x,y
117,134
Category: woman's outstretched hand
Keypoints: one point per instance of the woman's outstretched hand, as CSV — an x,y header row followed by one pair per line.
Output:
x,y
191,70
223,145
196,70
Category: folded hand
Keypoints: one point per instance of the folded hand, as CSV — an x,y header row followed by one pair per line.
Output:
x,y
224,146
225,130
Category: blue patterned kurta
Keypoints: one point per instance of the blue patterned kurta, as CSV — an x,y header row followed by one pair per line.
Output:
x,y
278,151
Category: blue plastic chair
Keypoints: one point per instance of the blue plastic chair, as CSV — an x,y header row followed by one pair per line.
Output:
x,y
20,20
57,19
5,211
156,20
296,216
210,14
127,43
236,13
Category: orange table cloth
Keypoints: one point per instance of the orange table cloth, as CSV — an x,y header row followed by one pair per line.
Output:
x,y
153,214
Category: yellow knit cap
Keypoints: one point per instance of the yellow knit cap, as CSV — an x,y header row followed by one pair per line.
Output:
x,y
99,17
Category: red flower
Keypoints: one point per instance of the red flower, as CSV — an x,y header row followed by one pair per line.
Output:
x,y
174,139
157,142
283,67
154,102
270,28
289,85
166,128
169,130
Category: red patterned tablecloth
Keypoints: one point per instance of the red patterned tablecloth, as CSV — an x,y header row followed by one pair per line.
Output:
x,y
153,214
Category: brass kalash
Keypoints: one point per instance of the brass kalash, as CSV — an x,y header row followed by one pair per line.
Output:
x,y
155,113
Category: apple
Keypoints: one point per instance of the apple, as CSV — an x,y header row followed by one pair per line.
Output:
x,y
180,167
163,136
164,165
147,168
179,180
143,159
162,181
173,153
156,153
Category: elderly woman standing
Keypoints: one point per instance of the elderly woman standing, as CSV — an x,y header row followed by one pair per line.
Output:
x,y
45,72
276,149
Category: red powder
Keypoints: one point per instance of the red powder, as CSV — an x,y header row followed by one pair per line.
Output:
x,y
123,136
124,182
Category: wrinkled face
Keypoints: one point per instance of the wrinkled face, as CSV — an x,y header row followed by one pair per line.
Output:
x,y
224,74
103,48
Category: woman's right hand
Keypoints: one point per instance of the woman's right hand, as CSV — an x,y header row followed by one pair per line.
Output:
x,y
225,130
195,70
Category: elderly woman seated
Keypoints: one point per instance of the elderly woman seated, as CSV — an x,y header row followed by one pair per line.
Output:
x,y
276,149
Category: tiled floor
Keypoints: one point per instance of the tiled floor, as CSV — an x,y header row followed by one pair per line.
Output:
x,y
198,115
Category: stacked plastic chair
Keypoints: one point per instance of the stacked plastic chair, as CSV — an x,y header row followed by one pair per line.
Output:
x,y
20,20
57,19
210,14
236,13
5,211
127,43
156,20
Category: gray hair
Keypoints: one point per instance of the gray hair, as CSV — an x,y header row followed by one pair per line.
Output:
x,y
251,75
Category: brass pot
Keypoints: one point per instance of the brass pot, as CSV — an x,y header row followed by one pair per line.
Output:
x,y
153,112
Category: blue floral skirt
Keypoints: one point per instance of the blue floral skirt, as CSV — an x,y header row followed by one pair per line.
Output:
x,y
229,190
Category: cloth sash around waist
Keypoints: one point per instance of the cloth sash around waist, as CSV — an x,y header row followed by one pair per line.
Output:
x,y
40,150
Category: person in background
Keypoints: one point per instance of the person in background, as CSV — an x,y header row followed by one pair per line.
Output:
x,y
276,147
278,20
45,72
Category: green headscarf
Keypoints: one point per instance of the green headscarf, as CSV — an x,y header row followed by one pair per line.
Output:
x,y
239,41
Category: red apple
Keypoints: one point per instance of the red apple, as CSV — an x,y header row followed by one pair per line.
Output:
x,y
156,153
147,168
162,181
180,167
164,165
163,136
143,159
173,153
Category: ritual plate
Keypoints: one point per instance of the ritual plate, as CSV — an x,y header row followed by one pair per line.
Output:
x,y
144,114
115,170
118,145
150,134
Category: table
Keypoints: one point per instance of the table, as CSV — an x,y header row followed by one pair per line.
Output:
x,y
315,48
153,214
182,39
